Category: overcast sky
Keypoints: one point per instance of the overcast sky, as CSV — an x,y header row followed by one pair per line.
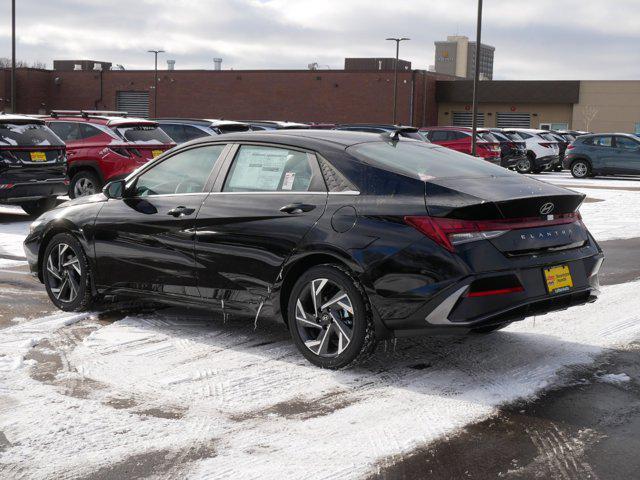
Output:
x,y
534,39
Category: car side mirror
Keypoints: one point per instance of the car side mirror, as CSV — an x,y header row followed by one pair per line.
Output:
x,y
114,189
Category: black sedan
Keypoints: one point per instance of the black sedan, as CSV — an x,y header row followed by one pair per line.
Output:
x,y
349,237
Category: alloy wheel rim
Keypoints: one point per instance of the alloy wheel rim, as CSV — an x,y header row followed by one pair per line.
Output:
x,y
324,318
580,169
524,165
64,273
84,187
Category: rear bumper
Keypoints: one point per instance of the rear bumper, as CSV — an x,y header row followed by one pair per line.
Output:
x,y
451,311
30,191
548,161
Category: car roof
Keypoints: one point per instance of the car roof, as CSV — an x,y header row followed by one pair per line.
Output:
x,y
203,122
14,118
526,130
275,123
103,120
309,139
459,129
387,126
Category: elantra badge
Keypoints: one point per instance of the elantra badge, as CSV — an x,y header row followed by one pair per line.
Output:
x,y
547,208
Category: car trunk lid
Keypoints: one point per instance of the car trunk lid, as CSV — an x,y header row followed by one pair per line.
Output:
x,y
516,214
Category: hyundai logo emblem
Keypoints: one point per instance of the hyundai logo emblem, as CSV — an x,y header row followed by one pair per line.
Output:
x,y
547,208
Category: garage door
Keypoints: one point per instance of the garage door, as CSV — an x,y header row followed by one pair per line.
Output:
x,y
463,119
513,120
135,103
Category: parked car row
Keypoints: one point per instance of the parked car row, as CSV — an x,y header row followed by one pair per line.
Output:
x,y
76,152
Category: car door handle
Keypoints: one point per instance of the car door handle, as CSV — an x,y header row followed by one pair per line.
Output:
x,y
296,208
180,211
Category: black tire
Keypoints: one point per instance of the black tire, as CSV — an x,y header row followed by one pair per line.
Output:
x,y
525,165
490,329
330,321
84,183
581,168
557,168
53,274
38,207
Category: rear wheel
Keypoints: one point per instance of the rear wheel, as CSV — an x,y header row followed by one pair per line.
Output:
x,y
330,319
84,183
38,207
66,274
525,165
580,169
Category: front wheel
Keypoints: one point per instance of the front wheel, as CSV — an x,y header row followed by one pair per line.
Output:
x,y
38,207
329,318
65,272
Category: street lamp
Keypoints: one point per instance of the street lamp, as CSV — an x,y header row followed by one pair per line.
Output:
x,y
155,82
476,79
13,56
395,76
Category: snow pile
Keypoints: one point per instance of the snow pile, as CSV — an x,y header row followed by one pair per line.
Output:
x,y
264,408
614,378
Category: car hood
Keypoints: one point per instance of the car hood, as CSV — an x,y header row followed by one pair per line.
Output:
x,y
97,198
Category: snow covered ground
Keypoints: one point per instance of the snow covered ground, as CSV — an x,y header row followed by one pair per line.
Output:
x,y
190,395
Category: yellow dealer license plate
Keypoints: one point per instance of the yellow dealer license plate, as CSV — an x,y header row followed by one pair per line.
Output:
x,y
156,153
558,279
38,157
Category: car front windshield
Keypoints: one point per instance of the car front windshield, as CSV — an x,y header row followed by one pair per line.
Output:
x,y
28,135
424,161
144,134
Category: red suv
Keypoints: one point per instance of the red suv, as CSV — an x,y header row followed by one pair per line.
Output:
x,y
459,139
105,146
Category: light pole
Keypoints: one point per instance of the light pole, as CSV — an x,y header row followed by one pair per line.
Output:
x,y
476,81
395,76
13,56
155,82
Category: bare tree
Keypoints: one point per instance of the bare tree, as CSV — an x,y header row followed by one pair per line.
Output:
x,y
6,63
589,113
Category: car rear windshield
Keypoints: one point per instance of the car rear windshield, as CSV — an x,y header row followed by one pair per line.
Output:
x,y
548,137
424,161
143,134
28,135
515,137
487,137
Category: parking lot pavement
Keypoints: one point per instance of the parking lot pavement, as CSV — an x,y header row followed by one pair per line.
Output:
x,y
174,392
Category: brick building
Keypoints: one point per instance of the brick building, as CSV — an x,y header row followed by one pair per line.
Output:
x,y
340,96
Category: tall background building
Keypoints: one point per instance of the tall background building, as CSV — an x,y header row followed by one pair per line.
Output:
x,y
457,56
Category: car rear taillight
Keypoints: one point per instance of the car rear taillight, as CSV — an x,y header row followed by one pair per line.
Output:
x,y
570,146
449,232
499,291
547,144
6,186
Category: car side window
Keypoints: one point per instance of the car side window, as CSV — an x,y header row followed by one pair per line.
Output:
x,y
439,135
603,141
191,132
184,172
627,143
88,131
175,131
67,131
269,169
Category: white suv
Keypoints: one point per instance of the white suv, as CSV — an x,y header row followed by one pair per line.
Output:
x,y
543,152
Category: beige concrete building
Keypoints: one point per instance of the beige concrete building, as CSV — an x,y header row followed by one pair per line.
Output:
x,y
457,57
597,106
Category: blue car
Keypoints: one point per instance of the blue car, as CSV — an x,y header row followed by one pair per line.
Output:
x,y
603,154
